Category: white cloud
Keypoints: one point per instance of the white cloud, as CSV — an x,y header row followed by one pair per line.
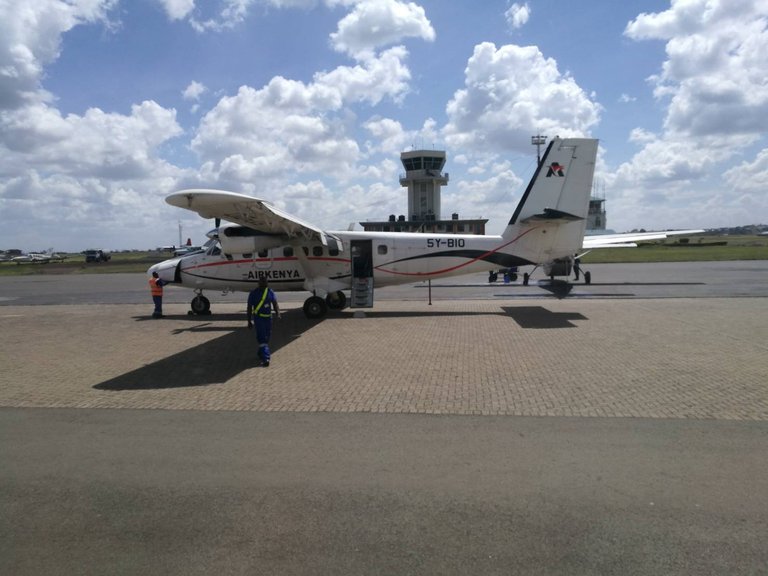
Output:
x,y
373,24
97,144
178,9
78,178
672,181
306,4
31,39
229,14
390,138
194,90
388,135
477,198
99,164
513,92
639,135
715,73
224,14
289,126
750,176
269,133
517,15
383,76
714,82
98,174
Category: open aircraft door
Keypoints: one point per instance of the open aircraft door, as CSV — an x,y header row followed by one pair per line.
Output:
x,y
362,274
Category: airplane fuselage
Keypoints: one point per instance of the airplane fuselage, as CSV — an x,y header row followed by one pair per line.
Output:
x,y
394,258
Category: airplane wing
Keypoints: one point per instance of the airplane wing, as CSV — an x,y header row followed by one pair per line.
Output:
x,y
246,211
630,239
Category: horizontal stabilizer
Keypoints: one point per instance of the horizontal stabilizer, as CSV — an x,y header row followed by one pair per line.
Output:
x,y
552,214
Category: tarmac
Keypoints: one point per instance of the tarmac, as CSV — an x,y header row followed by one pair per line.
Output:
x,y
682,358
621,434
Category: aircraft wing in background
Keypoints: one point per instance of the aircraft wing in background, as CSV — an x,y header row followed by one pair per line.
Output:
x,y
630,239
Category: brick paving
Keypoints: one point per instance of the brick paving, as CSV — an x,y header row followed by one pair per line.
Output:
x,y
700,358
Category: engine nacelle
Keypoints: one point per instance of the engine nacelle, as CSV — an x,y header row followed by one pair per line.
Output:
x,y
559,267
242,240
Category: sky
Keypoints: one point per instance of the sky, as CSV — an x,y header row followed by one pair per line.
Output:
x,y
108,106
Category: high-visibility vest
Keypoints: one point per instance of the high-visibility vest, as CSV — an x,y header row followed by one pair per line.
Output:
x,y
267,311
156,289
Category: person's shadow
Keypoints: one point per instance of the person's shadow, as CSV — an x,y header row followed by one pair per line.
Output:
x,y
214,361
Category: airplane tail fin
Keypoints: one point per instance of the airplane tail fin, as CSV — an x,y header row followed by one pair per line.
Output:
x,y
551,217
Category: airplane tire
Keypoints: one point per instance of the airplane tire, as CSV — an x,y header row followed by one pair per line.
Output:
x,y
587,278
526,278
315,307
200,305
336,300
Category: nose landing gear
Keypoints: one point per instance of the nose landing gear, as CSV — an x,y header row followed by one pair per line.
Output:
x,y
200,304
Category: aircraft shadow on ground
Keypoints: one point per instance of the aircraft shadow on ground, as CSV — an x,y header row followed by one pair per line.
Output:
x,y
525,316
212,362
224,357
539,317
646,284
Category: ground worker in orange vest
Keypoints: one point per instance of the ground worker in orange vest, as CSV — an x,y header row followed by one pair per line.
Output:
x,y
156,287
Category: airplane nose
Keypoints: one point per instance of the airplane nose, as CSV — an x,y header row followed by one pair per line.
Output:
x,y
168,270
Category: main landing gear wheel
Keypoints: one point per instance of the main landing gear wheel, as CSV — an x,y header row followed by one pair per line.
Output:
x,y
587,278
315,307
200,305
336,300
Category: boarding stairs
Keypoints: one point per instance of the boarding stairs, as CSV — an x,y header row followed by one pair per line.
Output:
x,y
362,293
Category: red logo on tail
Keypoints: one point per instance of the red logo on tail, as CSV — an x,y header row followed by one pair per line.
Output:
x,y
556,169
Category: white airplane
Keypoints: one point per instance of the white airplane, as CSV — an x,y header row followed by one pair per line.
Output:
x,y
33,257
261,240
38,258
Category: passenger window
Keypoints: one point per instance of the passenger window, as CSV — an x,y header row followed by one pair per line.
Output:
x,y
288,251
247,256
263,253
306,250
382,249
317,250
333,251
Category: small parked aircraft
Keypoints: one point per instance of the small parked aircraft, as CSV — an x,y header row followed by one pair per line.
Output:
x,y
38,257
261,240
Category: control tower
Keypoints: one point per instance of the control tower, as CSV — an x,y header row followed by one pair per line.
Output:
x,y
424,179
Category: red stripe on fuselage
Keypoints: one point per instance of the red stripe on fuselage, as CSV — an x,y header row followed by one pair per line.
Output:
x,y
261,260
458,266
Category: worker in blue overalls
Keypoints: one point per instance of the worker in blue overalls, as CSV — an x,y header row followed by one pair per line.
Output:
x,y
261,301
